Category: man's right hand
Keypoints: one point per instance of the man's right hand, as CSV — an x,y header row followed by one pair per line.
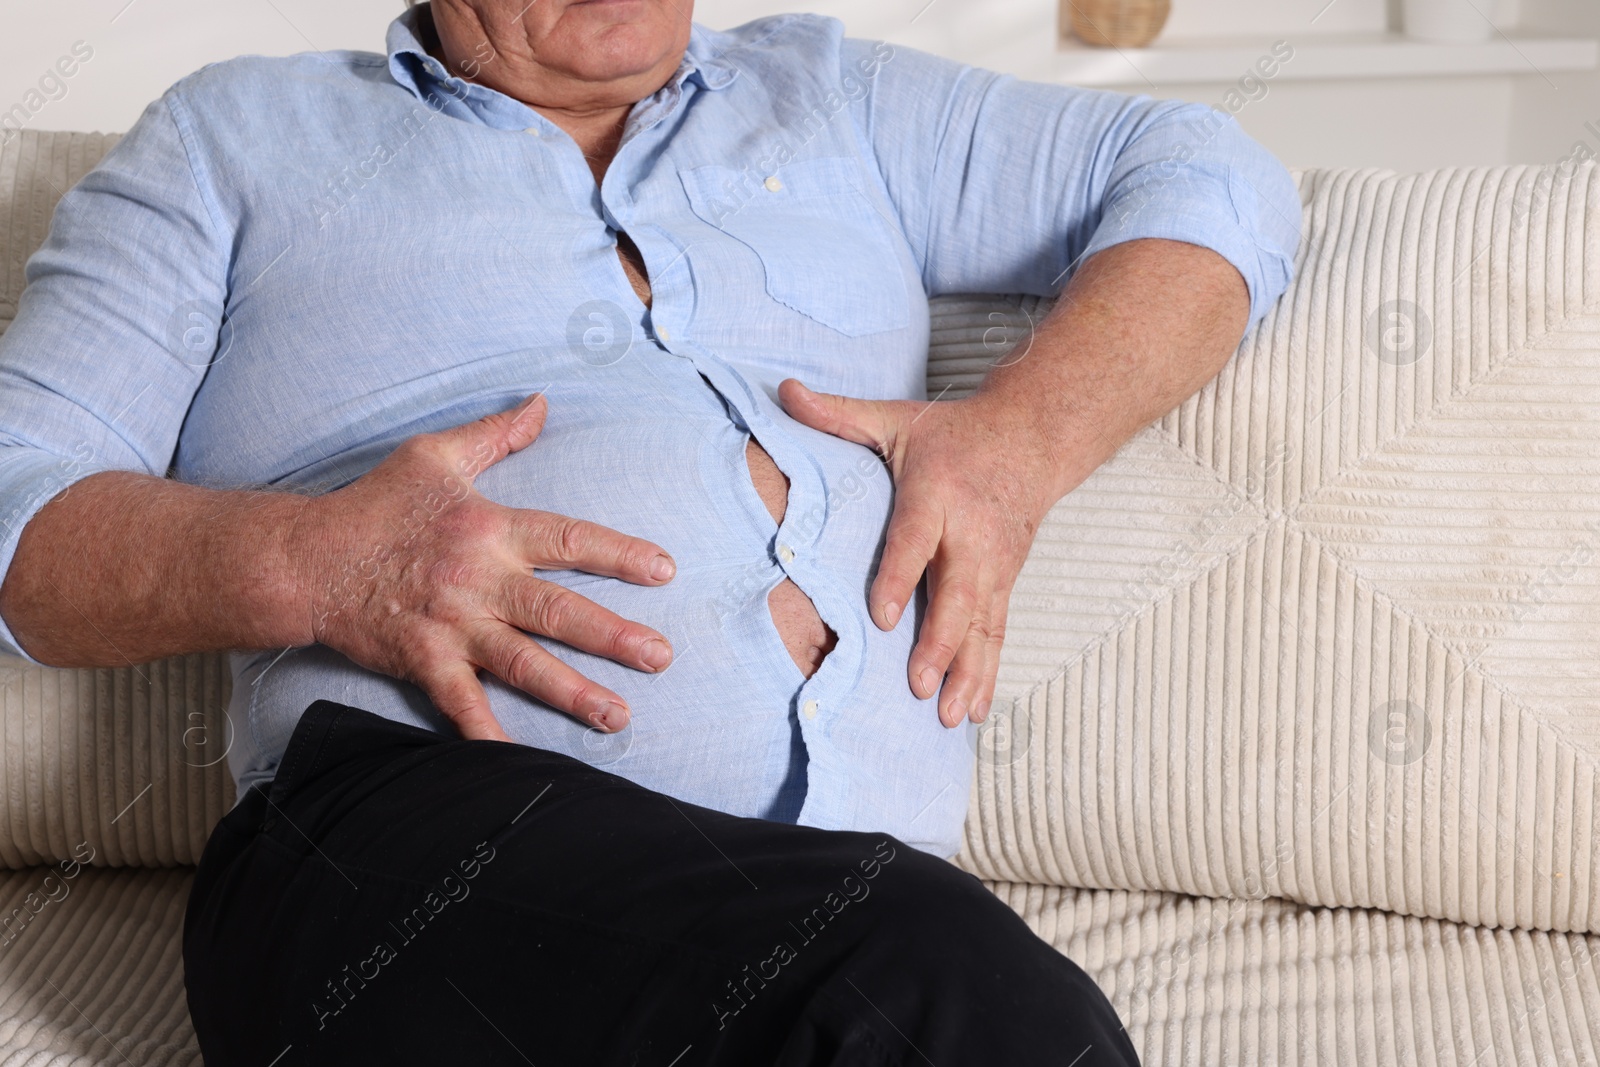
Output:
x,y
412,572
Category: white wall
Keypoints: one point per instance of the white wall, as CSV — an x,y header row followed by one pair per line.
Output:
x,y
1407,123
142,48
1396,123
951,26
1550,116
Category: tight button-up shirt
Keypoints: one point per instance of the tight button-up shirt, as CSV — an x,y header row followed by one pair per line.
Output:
x,y
290,265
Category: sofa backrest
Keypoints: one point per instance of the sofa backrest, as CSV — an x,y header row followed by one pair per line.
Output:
x,y
126,765
1329,632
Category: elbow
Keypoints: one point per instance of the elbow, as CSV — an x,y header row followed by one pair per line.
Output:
x,y
17,618
1249,194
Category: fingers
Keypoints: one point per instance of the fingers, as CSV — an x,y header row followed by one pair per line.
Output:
x,y
958,698
511,656
553,611
953,599
915,530
996,639
865,422
556,542
969,685
455,690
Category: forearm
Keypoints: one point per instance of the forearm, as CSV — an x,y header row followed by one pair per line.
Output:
x,y
1139,329
127,568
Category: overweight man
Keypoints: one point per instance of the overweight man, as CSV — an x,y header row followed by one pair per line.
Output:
x,y
536,411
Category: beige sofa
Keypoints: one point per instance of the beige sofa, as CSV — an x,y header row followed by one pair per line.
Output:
x,y
1300,761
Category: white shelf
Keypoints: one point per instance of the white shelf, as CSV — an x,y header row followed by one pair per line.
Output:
x,y
1319,58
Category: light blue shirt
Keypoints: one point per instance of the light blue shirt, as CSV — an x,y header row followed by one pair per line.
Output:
x,y
391,250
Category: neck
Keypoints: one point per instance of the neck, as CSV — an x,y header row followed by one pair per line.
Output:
x,y
597,130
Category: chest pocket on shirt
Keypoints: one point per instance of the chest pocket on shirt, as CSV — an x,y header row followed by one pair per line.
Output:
x,y
826,251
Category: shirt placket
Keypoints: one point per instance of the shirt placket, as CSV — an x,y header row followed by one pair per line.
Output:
x,y
795,548
798,546
800,539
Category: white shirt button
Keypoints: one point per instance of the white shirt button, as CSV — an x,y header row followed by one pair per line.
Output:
x,y
773,184
786,553
810,709
532,131
661,332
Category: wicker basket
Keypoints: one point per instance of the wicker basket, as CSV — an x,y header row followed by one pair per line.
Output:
x,y
1117,23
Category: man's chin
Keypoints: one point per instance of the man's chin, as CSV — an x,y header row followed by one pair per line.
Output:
x,y
606,49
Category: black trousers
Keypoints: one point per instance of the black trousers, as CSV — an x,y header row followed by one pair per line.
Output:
x,y
400,897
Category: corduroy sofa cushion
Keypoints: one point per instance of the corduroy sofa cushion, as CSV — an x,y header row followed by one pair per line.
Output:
x,y
1330,632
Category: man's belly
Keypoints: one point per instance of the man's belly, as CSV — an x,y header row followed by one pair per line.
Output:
x,y
719,727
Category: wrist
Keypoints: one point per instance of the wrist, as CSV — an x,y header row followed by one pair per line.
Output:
x,y
1048,436
258,556
301,548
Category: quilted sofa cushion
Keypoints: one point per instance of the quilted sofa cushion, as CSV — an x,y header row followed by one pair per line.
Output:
x,y
1330,631
91,969
129,764
1326,633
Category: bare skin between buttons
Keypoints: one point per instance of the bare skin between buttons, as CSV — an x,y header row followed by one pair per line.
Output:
x,y
807,638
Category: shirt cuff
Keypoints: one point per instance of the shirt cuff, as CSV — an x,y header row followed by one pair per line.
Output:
x,y
1193,206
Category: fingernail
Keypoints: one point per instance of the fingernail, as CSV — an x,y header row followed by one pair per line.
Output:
x,y
608,715
662,568
981,712
956,711
656,653
930,680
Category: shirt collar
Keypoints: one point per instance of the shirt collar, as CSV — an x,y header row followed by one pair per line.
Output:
x,y
413,68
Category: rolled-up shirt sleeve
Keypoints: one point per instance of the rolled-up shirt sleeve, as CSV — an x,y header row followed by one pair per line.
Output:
x,y
114,331
1004,185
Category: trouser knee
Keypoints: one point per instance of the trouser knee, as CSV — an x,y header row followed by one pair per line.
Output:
x,y
955,963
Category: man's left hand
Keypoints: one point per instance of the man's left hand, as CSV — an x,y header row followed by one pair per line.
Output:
x,y
1141,326
971,487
